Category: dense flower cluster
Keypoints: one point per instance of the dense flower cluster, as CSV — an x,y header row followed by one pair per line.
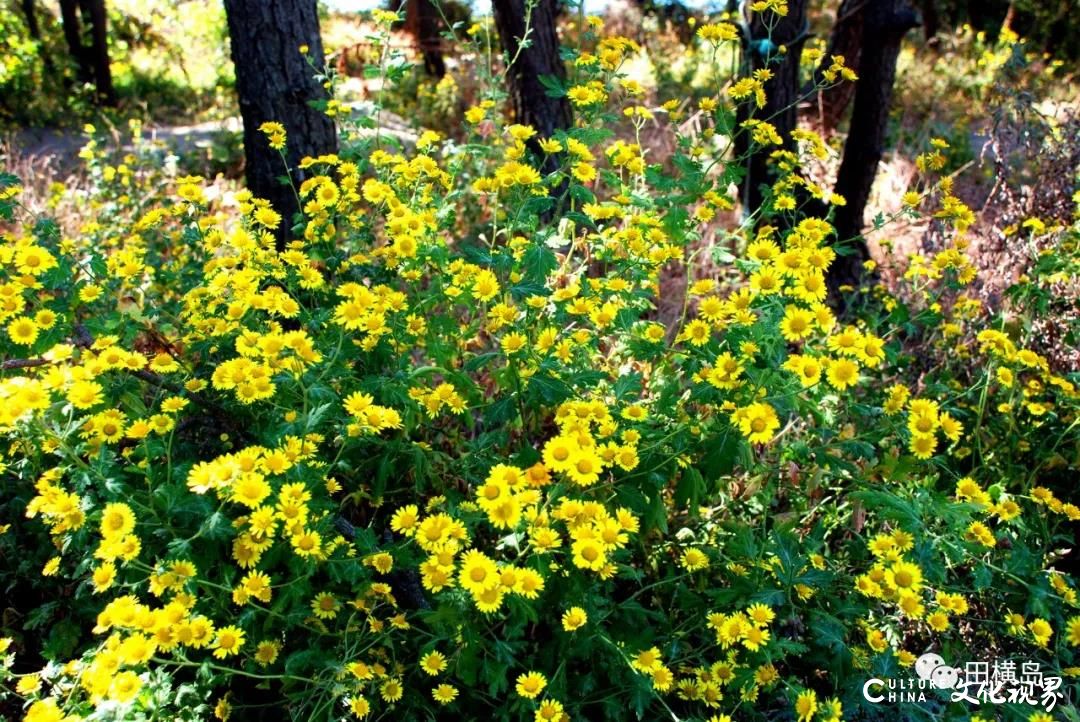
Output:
x,y
437,452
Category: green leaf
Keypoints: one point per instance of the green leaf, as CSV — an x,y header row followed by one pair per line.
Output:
x,y
889,506
690,489
553,86
537,262
828,631
628,384
552,390
723,451
581,194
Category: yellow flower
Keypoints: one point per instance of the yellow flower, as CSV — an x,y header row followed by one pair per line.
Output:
x,y
550,145
694,560
904,576
433,663
391,690
90,293
103,576
266,652
404,520
228,641
530,684
584,172
589,554
757,422
513,342
574,618
842,373
267,217
325,605
718,32
23,331
550,710
359,706
1072,633
806,705
697,332
444,693
124,687
797,324
117,520
478,571
275,133
34,260
1041,631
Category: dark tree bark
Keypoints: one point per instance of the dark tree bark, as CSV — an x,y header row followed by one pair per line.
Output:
x,y
274,83
69,17
528,97
782,94
30,11
529,101
930,19
423,22
884,26
99,50
845,40
91,61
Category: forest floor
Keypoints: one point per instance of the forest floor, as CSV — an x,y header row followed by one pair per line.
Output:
x,y
54,151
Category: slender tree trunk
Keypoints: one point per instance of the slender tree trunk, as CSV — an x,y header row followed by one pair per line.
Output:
x,y
1010,18
845,40
884,26
69,17
931,20
539,56
423,21
91,61
274,83
30,11
782,93
99,50
528,96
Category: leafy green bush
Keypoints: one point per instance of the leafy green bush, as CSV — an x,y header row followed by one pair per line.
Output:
x,y
438,453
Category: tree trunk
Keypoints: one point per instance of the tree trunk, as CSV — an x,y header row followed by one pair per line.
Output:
x,y
274,83
423,22
99,50
931,20
30,11
782,93
528,97
845,39
884,26
69,17
1010,18
91,61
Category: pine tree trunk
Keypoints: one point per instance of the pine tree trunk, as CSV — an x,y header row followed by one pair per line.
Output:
x,y
274,83
885,24
69,17
782,94
931,20
99,50
423,21
845,40
91,61
528,97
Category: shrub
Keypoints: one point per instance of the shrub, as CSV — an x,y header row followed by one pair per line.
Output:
x,y
443,453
